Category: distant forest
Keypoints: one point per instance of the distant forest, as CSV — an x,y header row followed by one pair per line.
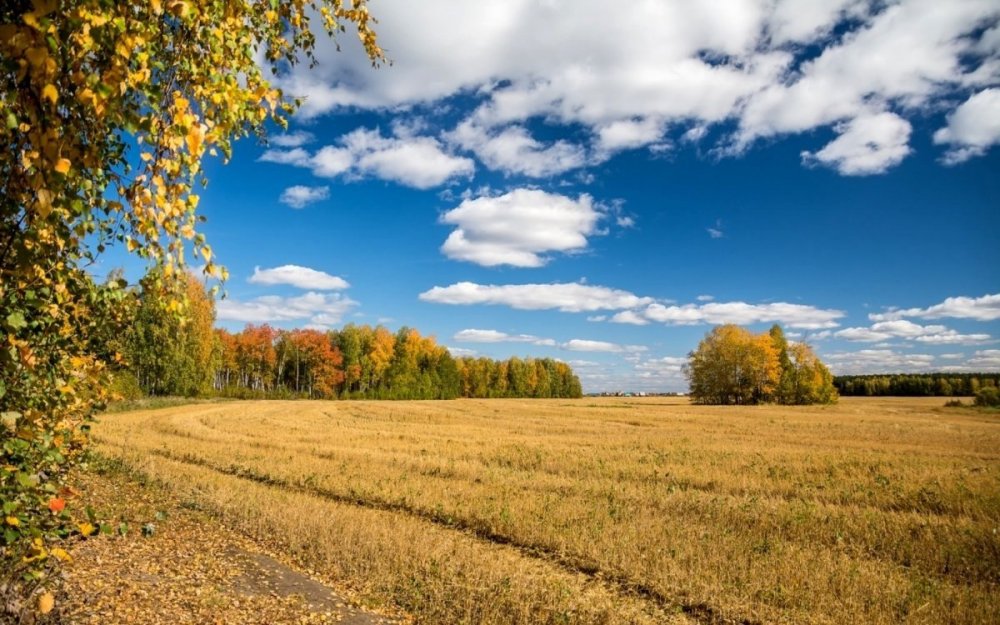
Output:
x,y
161,355
915,384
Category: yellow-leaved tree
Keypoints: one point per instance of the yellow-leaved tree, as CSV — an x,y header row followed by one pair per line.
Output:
x,y
735,366
106,112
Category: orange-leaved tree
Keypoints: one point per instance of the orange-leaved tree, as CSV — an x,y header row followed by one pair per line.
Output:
x,y
106,112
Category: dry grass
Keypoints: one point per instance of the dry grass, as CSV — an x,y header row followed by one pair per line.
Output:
x,y
607,510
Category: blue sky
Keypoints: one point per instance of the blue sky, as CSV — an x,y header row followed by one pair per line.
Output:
x,y
602,186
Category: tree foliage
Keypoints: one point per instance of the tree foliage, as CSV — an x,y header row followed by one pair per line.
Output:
x,y
916,384
168,354
106,111
734,366
364,362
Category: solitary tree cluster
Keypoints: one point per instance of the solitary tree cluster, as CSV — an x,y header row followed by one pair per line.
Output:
x,y
735,366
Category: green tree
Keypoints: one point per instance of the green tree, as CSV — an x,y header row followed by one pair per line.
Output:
x,y
106,111
172,354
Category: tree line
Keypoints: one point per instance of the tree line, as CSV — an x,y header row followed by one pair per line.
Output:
x,y
916,384
167,355
735,366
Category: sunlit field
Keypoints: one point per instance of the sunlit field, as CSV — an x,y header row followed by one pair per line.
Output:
x,y
604,510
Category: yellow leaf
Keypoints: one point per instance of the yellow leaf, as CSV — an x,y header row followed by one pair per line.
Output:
x,y
46,602
13,521
131,244
206,253
62,166
61,554
86,529
49,93
194,138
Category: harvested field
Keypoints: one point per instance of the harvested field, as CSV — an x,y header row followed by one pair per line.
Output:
x,y
608,510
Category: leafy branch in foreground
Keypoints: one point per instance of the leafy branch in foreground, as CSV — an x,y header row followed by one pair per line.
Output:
x,y
106,112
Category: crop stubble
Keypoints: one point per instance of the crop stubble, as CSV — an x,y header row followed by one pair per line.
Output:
x,y
605,510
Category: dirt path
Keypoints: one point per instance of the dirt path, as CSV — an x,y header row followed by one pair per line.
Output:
x,y
165,561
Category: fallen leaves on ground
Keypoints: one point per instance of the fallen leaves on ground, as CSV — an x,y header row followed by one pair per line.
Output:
x,y
168,562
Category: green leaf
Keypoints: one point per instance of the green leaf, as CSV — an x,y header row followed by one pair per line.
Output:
x,y
11,121
15,321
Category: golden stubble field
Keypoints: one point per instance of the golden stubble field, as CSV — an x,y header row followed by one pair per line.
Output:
x,y
609,510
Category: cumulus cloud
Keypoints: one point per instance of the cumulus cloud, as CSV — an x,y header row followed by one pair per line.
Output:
x,y
972,128
985,308
630,317
625,134
867,145
514,151
904,329
518,227
297,276
567,297
493,336
300,196
791,315
321,310
419,162
584,345
985,360
292,139
459,352
665,372
628,78
867,361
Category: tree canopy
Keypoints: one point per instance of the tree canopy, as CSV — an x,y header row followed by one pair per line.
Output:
x,y
735,366
106,112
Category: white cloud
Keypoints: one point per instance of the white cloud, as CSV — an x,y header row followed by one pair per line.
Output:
x,y
903,329
419,162
868,144
517,227
666,372
625,134
705,298
877,361
985,360
631,317
299,196
292,139
295,156
567,297
791,315
493,336
319,309
297,276
972,128
985,308
629,76
459,352
584,345
514,151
